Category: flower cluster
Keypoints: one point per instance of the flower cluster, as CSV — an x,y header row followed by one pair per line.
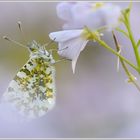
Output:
x,y
93,15
78,17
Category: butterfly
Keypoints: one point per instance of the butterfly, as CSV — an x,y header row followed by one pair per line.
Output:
x,y
32,91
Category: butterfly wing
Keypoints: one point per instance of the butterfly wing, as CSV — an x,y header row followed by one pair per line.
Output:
x,y
32,91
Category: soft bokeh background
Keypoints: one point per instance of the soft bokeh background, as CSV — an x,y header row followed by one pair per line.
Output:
x,y
94,102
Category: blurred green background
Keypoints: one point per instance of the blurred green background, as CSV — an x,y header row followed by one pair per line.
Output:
x,y
94,102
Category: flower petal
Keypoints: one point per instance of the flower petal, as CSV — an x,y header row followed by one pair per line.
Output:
x,y
92,15
111,14
64,10
75,46
62,36
80,8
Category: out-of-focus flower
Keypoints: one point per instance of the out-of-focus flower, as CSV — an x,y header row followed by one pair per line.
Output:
x,y
78,15
93,15
72,42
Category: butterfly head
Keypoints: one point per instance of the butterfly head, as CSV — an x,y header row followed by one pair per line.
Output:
x,y
38,50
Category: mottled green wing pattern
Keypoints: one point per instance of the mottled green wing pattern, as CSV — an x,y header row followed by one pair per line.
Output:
x,y
32,91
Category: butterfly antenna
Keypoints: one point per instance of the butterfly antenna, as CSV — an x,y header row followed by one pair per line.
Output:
x,y
62,59
21,30
63,48
19,26
50,43
13,41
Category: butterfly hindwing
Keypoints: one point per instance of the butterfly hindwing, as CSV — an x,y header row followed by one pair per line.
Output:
x,y
32,91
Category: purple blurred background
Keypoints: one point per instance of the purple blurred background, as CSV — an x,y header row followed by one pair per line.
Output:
x,y
94,102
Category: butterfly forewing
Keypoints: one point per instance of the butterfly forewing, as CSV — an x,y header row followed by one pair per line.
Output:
x,y
32,91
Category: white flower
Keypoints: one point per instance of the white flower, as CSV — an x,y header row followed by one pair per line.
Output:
x,y
78,15
70,44
93,15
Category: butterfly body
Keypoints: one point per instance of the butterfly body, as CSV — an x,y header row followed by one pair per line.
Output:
x,y
32,91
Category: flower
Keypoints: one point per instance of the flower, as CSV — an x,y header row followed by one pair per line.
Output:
x,y
72,42
76,15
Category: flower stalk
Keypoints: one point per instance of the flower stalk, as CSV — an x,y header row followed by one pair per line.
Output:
x,y
126,21
131,78
105,45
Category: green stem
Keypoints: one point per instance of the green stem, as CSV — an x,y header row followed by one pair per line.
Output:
x,y
103,44
123,32
95,36
134,44
130,76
